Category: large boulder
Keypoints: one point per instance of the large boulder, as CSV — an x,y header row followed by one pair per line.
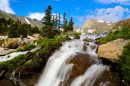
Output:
x,y
80,62
111,50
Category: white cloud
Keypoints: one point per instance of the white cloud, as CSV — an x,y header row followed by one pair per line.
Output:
x,y
39,15
125,2
109,14
5,6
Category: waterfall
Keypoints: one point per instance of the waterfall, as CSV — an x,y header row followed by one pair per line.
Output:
x,y
57,70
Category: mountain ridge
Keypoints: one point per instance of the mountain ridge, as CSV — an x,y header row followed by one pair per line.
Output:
x,y
26,20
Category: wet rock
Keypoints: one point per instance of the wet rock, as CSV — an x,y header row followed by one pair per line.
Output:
x,y
111,50
89,40
93,47
81,63
8,56
85,48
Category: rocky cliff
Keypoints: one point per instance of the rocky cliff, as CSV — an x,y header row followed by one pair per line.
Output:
x,y
97,26
32,22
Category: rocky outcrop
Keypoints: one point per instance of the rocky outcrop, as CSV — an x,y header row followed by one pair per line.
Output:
x,y
97,26
26,20
13,43
111,50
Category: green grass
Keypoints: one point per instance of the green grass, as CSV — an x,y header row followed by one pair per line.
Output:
x,y
125,64
29,47
123,33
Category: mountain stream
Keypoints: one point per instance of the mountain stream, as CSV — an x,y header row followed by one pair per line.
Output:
x,y
61,70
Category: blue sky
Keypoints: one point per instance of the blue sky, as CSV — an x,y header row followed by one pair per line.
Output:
x,y
80,10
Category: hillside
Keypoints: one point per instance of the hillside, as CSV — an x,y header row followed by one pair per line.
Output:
x,y
122,23
26,20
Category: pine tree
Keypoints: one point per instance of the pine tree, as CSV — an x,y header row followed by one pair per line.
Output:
x,y
71,23
47,29
65,23
59,24
56,21
53,21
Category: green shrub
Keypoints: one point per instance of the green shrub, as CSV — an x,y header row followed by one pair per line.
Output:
x,y
125,64
123,33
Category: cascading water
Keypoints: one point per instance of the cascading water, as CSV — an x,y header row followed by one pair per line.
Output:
x,y
57,70
14,54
